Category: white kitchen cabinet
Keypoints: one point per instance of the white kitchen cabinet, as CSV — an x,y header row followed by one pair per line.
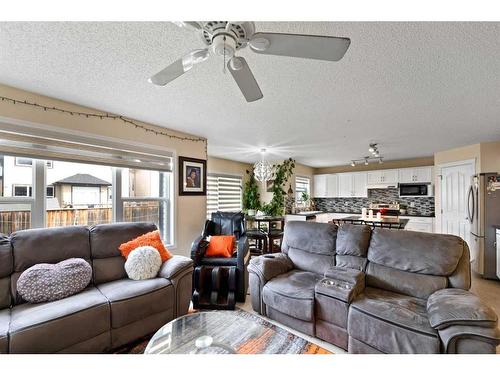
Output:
x,y
419,174
385,176
353,185
419,223
325,186
360,189
332,186
320,186
345,185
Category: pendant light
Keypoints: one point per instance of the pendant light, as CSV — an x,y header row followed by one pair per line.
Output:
x,y
262,170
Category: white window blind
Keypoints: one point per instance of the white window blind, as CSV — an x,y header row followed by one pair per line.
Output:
x,y
302,185
223,193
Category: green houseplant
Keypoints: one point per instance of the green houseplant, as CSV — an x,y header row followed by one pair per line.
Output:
x,y
282,173
251,195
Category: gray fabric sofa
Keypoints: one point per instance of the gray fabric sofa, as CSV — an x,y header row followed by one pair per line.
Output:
x,y
374,291
112,311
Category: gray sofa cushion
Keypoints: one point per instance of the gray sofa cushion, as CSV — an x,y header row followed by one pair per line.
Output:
x,y
4,330
353,240
49,245
133,300
52,326
292,294
51,282
315,238
108,263
458,307
392,323
425,253
46,245
310,246
412,284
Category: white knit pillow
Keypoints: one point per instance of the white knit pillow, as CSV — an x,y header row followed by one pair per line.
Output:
x,y
143,263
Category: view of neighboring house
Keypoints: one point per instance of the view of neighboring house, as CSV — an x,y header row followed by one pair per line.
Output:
x,y
68,184
81,189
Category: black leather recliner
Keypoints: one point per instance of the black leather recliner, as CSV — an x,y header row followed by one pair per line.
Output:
x,y
225,223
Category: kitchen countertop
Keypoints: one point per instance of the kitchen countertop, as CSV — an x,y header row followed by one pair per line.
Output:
x,y
359,213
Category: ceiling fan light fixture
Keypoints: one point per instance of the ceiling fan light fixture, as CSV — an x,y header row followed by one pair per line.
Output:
x,y
353,164
236,63
260,44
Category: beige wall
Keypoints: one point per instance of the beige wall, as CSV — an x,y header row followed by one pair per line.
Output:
x,y
490,157
225,166
406,163
190,210
487,159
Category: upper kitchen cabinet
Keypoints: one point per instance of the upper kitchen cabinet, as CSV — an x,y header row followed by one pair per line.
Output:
x,y
353,185
320,186
383,177
419,174
326,186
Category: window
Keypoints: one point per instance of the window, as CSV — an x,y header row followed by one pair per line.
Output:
x,y
302,188
50,192
27,162
21,191
145,196
223,193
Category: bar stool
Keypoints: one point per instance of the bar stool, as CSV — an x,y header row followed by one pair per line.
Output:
x,y
275,235
259,237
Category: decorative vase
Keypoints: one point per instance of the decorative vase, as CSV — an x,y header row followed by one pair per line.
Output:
x,y
251,212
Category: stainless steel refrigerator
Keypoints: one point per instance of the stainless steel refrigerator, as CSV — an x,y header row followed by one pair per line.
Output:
x,y
483,208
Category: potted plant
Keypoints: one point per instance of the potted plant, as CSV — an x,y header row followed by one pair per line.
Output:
x,y
304,197
251,195
282,173
402,208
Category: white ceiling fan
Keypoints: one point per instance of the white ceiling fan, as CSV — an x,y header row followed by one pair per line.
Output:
x,y
225,38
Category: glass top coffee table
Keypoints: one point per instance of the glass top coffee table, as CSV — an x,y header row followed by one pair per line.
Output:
x,y
221,332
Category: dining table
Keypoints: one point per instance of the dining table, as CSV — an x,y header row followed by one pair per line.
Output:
x,y
271,229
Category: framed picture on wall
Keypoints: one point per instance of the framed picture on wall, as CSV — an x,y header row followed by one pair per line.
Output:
x,y
192,176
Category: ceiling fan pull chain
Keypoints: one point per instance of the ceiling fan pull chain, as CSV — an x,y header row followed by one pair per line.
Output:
x,y
224,68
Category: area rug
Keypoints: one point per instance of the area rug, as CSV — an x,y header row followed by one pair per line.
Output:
x,y
290,343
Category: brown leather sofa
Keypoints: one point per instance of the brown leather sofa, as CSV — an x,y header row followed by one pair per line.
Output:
x,y
374,291
112,311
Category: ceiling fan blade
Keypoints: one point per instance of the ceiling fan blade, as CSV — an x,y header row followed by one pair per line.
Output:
x,y
244,78
317,47
179,67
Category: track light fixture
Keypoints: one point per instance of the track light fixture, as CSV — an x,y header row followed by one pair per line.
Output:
x,y
375,156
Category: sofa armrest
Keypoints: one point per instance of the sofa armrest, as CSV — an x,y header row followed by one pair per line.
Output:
x,y
261,270
243,249
449,307
341,283
179,270
269,266
464,339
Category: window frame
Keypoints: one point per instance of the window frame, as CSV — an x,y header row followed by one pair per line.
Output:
x,y
298,201
29,190
50,163
53,195
37,200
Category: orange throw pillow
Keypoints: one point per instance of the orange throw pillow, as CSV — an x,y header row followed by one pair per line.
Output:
x,y
221,246
149,239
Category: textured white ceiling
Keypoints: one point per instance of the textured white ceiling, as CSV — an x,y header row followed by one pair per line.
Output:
x,y
415,88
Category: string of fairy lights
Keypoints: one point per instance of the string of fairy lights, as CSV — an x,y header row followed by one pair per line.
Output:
x,y
105,116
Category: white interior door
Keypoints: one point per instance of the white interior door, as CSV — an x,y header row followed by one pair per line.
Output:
x,y
455,183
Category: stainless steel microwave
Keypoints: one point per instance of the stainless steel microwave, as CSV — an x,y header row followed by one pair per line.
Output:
x,y
415,190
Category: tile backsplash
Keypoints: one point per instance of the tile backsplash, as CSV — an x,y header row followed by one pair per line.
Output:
x,y
423,206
